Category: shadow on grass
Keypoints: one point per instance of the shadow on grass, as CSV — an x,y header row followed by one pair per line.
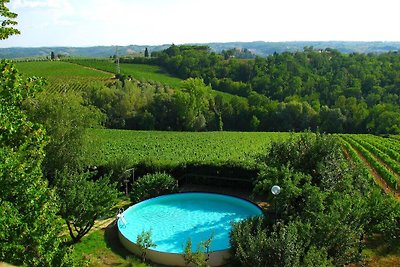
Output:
x,y
112,241
381,247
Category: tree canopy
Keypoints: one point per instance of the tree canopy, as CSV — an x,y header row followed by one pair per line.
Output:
x,y
29,224
310,89
7,21
325,209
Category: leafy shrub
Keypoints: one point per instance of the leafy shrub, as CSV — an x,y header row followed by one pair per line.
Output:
x,y
253,245
152,185
304,152
117,169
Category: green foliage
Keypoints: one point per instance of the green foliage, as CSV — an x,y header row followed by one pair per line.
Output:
x,y
117,168
316,155
283,245
316,257
313,89
179,148
145,242
83,201
7,24
65,118
29,224
248,240
200,256
325,88
152,185
325,203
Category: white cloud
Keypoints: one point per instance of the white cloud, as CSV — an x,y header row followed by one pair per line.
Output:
x,y
104,22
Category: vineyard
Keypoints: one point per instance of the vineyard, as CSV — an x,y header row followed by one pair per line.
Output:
x,y
380,156
137,71
177,148
63,76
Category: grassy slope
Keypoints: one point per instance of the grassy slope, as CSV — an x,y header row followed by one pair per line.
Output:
x,y
80,73
55,70
150,72
146,72
137,71
63,75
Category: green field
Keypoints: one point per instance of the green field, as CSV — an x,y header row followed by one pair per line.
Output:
x,y
379,155
145,72
62,76
137,71
176,148
79,74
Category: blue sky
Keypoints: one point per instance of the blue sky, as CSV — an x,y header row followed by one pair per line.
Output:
x,y
152,22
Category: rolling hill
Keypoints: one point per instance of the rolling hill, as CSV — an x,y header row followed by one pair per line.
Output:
x,y
259,48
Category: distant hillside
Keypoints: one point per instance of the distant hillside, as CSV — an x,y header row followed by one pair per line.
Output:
x,y
258,48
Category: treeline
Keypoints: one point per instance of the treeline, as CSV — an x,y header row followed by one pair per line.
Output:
x,y
313,89
152,106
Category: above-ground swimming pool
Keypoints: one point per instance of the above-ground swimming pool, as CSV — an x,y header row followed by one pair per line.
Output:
x,y
173,219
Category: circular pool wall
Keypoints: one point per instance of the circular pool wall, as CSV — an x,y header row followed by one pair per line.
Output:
x,y
173,219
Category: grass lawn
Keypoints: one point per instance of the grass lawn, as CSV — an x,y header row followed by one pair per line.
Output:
x,y
102,248
378,253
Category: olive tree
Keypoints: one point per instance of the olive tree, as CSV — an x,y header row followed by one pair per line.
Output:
x,y
84,200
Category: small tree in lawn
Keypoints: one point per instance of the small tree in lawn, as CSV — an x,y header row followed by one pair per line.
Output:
x,y
83,201
145,242
199,257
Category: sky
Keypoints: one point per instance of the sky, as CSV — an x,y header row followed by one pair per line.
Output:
x,y
155,22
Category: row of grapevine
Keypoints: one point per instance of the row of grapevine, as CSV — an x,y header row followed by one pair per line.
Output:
x,y
388,176
385,158
356,158
386,145
66,86
177,148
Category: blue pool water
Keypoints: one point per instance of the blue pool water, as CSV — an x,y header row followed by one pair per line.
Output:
x,y
173,219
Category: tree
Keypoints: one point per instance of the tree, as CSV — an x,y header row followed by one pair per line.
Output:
x,y
146,53
52,56
65,118
83,201
324,204
145,242
29,224
192,104
199,257
7,23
